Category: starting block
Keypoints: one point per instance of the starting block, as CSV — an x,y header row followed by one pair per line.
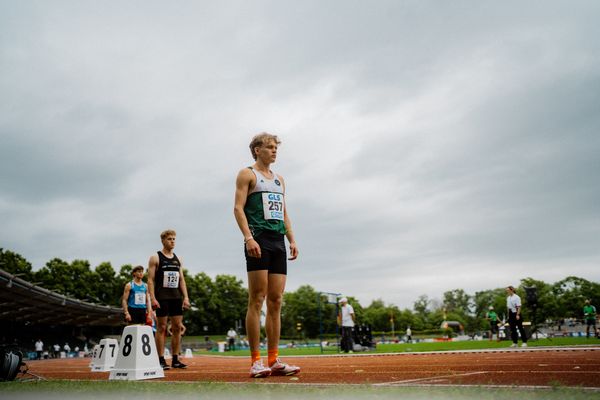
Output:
x,y
105,355
188,353
137,358
95,351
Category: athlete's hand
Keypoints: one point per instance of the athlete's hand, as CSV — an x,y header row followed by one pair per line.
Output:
x,y
518,316
186,304
127,317
155,304
293,251
253,248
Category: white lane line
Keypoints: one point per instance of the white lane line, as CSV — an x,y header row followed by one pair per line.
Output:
x,y
430,378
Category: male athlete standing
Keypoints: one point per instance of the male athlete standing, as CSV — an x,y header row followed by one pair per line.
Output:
x,y
262,216
168,295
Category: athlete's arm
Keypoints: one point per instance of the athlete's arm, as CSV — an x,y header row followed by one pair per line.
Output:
x,y
148,304
183,287
124,301
152,265
242,186
288,227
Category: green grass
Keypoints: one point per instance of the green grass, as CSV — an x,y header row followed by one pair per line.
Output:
x,y
423,347
99,390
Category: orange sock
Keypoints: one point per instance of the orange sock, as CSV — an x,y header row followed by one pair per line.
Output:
x,y
255,355
272,356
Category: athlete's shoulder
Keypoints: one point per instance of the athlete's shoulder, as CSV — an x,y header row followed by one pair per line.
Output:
x,y
153,259
249,171
246,174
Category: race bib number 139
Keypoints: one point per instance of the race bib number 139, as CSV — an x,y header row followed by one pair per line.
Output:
x,y
273,206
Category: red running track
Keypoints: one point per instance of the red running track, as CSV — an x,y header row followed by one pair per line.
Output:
x,y
571,366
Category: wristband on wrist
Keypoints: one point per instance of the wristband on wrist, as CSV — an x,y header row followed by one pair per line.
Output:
x,y
247,239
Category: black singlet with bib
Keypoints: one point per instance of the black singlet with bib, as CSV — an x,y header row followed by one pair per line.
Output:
x,y
167,277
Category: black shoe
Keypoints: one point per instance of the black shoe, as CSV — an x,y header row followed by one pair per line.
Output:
x,y
164,365
178,364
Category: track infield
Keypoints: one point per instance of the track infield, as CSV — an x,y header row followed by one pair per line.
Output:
x,y
532,367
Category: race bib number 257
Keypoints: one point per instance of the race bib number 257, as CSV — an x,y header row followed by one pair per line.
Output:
x,y
273,206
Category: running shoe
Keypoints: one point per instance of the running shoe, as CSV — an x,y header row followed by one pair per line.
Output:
x,y
524,345
513,345
258,370
281,368
178,364
164,365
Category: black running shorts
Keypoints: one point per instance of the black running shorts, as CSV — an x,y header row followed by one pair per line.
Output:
x,y
138,315
170,308
273,255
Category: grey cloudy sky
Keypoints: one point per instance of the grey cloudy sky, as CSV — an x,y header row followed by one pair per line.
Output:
x,y
427,146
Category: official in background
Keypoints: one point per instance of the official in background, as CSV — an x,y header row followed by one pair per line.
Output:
x,y
589,314
39,348
231,335
492,317
346,319
515,319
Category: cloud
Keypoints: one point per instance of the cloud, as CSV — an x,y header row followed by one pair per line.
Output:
x,y
426,146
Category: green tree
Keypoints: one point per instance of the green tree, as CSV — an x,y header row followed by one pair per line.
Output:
x,y
106,288
482,302
231,298
302,306
15,264
457,301
72,280
380,316
405,319
205,309
571,293
422,313
544,307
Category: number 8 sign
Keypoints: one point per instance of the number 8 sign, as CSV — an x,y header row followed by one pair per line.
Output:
x,y
137,358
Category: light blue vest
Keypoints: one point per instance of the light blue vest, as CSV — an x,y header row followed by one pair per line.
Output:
x,y
137,295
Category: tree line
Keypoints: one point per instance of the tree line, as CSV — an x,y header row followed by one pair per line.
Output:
x,y
220,303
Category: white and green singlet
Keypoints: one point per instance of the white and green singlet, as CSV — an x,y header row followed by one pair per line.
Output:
x,y
264,207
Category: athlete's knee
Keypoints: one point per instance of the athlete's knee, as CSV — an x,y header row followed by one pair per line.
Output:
x,y
274,301
256,300
176,328
161,326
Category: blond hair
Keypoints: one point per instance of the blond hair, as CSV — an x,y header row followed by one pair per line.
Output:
x,y
168,232
261,139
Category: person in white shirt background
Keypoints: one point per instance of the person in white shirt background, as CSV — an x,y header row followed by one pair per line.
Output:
x,y
346,320
515,319
231,335
39,348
